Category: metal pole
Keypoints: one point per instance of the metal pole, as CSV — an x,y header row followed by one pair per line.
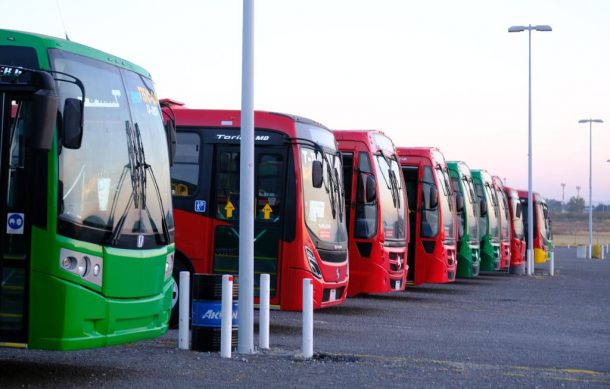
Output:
x,y
590,189
226,316
263,321
246,182
530,207
307,318
183,310
552,264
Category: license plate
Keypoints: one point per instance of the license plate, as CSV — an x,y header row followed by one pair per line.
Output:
x,y
397,285
333,295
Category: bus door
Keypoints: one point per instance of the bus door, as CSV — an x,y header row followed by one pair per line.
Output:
x,y
269,180
16,221
411,175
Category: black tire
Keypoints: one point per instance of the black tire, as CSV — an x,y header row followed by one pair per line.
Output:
x,y
178,267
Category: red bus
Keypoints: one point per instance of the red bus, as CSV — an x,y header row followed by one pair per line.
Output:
x,y
505,219
299,224
517,239
375,212
543,238
433,226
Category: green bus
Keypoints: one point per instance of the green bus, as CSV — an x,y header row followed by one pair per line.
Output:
x,y
489,224
468,252
87,247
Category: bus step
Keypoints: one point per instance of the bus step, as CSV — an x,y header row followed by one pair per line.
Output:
x,y
13,345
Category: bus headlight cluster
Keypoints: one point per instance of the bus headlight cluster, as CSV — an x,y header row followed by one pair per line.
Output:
x,y
88,267
313,264
169,265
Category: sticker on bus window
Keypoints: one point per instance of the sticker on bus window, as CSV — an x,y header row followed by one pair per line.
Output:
x,y
316,210
14,223
324,231
103,192
200,206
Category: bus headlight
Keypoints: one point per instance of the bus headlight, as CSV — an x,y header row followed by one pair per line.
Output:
x,y
88,267
313,264
169,265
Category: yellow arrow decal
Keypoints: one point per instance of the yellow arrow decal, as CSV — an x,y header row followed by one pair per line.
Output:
x,y
229,208
267,211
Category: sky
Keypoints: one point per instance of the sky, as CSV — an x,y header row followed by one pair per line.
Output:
x,y
438,73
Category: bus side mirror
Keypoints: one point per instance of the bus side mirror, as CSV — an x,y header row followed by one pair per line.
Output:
x,y
371,188
459,201
72,124
317,174
483,206
433,200
518,210
170,133
44,112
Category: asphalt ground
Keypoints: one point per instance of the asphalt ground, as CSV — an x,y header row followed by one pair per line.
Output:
x,y
494,330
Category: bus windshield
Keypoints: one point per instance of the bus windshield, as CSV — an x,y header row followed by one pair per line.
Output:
x,y
324,206
446,203
391,197
471,208
114,192
504,216
492,212
517,221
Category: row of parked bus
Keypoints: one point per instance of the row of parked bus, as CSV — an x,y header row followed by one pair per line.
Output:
x,y
97,222
344,207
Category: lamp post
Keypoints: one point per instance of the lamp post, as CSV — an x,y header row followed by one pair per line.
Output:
x,y
563,196
530,210
590,121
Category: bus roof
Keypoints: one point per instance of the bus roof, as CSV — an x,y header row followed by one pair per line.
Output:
x,y
20,38
291,125
377,139
430,153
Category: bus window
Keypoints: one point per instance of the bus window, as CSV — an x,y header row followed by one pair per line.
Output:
x,y
227,187
185,171
348,167
429,212
366,212
269,183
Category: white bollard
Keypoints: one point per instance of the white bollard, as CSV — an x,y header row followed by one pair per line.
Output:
x,y
307,318
530,263
552,264
226,316
184,295
263,322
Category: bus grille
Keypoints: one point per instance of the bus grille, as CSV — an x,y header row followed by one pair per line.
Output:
x,y
333,256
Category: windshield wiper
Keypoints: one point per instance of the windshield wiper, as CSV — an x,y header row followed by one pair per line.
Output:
x,y
133,197
393,184
146,168
139,170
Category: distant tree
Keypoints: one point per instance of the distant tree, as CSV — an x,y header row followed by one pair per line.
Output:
x,y
554,205
575,204
601,208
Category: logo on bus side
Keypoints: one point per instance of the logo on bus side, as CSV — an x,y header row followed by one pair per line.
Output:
x,y
238,137
14,223
200,206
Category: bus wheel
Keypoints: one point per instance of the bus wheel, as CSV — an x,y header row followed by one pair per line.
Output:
x,y
178,267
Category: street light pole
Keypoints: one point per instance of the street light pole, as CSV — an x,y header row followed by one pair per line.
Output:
x,y
590,121
530,210
563,195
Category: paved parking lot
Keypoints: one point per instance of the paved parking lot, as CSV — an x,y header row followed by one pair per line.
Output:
x,y
498,330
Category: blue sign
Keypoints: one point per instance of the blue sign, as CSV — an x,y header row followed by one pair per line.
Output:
x,y
207,313
14,223
200,205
